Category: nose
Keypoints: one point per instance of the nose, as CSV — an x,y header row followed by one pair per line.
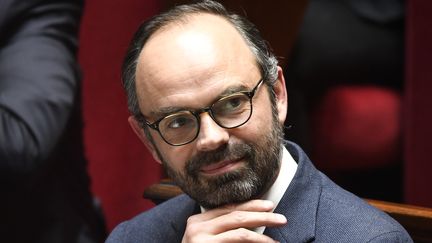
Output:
x,y
211,135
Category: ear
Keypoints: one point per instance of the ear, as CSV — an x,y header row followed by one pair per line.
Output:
x,y
281,96
139,131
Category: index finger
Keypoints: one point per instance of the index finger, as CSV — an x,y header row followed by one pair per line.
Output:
x,y
256,205
246,219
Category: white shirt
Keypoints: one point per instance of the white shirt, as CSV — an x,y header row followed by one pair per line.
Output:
x,y
277,190
284,178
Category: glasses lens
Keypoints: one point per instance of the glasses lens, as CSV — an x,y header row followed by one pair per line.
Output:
x,y
179,128
233,110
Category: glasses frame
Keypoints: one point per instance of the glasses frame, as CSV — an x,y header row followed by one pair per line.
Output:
x,y
208,109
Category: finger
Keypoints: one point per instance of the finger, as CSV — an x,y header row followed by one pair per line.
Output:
x,y
234,220
252,205
242,235
256,205
245,219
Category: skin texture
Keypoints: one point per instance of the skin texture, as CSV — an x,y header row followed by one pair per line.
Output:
x,y
190,65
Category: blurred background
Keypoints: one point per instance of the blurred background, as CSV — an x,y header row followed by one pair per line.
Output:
x,y
359,82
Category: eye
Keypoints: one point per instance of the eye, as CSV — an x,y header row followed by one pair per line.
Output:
x,y
176,122
179,122
232,104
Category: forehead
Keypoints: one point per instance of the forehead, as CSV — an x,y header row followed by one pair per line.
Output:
x,y
189,62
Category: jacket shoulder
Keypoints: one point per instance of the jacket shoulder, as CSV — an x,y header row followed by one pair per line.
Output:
x,y
350,218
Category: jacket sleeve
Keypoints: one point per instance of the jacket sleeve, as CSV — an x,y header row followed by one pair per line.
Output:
x,y
38,79
118,235
393,236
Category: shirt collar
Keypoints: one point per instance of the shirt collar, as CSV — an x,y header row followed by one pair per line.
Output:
x,y
285,176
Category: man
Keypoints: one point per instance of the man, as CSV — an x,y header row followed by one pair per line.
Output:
x,y
44,187
208,100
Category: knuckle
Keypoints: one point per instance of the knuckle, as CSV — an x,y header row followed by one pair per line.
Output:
x,y
243,234
239,216
191,234
192,229
192,219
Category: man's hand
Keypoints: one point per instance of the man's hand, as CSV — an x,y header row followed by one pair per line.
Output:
x,y
232,223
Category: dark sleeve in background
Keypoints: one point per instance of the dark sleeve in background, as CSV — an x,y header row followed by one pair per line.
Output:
x,y
38,79
44,187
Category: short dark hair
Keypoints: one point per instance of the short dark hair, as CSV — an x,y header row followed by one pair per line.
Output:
x,y
265,59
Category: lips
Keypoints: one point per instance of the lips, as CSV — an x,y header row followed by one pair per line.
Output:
x,y
219,167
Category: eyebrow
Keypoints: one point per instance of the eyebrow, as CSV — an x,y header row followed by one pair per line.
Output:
x,y
231,90
165,111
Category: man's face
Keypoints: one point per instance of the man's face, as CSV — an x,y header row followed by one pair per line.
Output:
x,y
188,66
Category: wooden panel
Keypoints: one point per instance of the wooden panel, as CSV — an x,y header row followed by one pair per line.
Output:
x,y
416,220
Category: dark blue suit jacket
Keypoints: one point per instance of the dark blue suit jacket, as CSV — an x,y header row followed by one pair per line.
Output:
x,y
315,207
44,187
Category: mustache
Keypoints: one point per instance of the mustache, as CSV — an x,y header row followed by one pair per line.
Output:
x,y
226,152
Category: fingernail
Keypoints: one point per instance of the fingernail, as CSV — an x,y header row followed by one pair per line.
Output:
x,y
268,204
281,218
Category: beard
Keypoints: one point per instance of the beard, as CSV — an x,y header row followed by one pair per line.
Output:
x,y
250,181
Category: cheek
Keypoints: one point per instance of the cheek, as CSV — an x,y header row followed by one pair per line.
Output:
x,y
261,120
255,129
175,156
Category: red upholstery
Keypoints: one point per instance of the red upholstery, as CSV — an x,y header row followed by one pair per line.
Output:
x,y
345,120
120,166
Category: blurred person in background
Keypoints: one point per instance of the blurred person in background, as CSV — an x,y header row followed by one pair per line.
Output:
x,y
44,186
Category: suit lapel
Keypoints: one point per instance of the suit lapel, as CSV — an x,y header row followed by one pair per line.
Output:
x,y
178,224
300,202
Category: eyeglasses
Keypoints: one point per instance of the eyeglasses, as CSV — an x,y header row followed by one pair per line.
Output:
x,y
183,127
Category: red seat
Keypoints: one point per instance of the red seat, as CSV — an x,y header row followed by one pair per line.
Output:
x,y
357,127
